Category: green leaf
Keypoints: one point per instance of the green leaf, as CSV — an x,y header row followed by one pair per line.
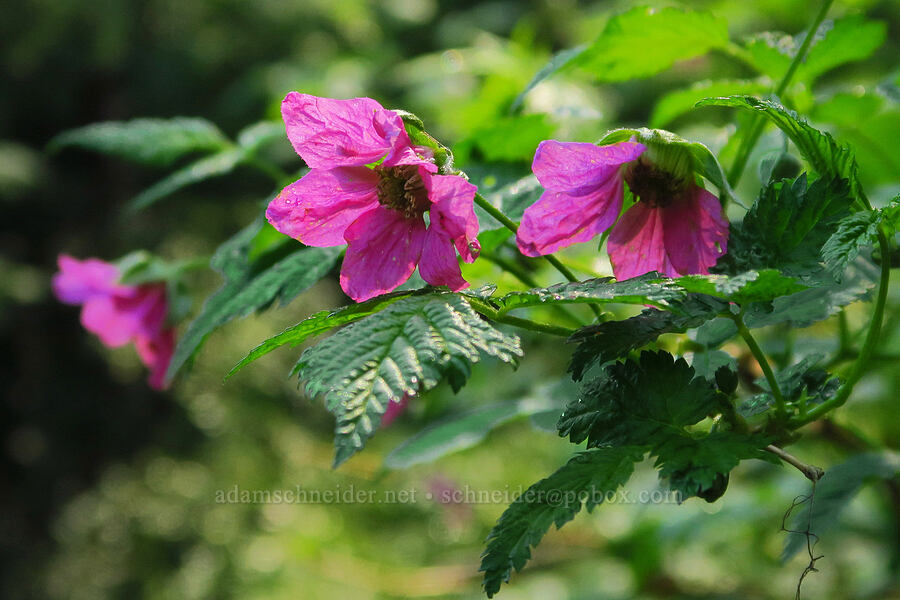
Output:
x,y
513,138
817,303
405,349
621,53
650,403
804,382
646,289
317,324
254,137
693,465
557,63
638,403
828,158
679,102
461,431
148,141
850,39
743,288
281,272
836,43
205,168
610,340
853,233
586,480
834,492
770,53
702,162
787,226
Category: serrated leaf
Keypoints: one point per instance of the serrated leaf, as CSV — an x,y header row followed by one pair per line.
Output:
x,y
679,102
651,402
462,431
586,480
405,349
787,226
148,141
317,324
834,492
817,303
609,340
638,402
742,288
646,289
280,273
208,167
804,382
692,465
619,53
829,159
853,233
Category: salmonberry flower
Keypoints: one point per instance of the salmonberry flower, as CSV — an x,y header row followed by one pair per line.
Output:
x,y
370,188
118,313
675,226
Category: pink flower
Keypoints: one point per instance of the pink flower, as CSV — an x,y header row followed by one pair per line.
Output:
x,y
394,409
378,211
675,227
117,313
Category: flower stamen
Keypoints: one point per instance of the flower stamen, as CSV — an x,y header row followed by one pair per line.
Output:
x,y
401,188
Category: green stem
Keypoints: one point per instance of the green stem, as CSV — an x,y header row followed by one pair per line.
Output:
x,y
535,326
526,278
757,123
511,225
492,313
866,353
780,405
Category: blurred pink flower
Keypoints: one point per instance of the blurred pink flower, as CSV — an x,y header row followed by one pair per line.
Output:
x,y
117,313
675,227
376,208
394,409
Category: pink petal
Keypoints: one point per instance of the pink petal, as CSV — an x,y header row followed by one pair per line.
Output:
x,y
637,244
329,133
577,167
319,207
452,213
77,281
119,318
696,232
438,264
382,252
156,353
558,220
114,327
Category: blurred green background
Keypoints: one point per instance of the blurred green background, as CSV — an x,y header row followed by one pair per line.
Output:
x,y
108,490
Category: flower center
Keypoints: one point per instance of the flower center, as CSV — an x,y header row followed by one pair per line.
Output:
x,y
652,185
401,188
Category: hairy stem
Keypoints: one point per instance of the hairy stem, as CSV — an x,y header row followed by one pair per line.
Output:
x,y
511,225
757,122
867,351
780,405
